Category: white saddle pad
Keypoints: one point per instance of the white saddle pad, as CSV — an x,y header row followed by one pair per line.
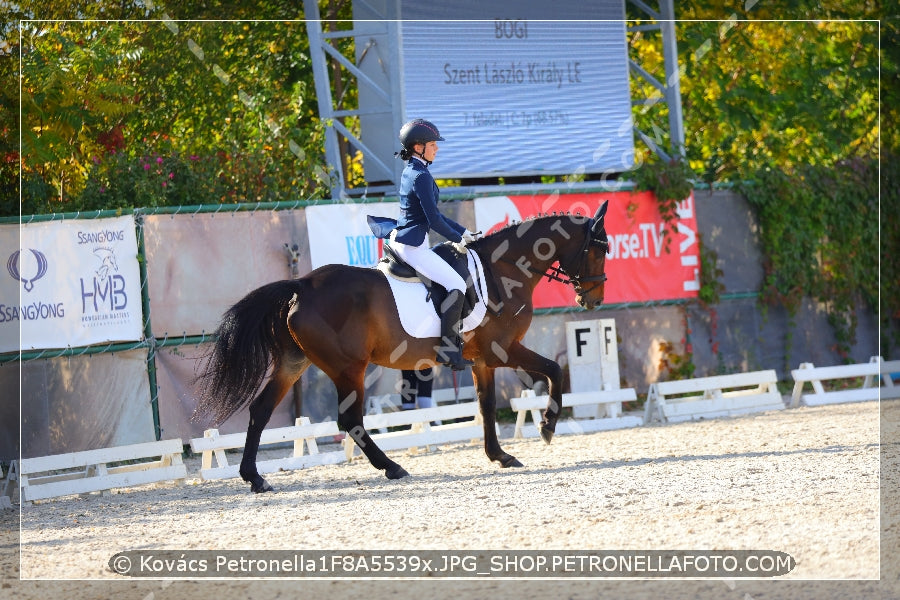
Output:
x,y
417,313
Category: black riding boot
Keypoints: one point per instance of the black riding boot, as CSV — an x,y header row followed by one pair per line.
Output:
x,y
449,352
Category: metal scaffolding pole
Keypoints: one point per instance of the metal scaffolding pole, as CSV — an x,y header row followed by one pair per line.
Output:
x,y
673,76
670,88
323,93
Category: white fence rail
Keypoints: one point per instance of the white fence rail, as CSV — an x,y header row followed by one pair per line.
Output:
x,y
101,470
709,397
611,400
454,419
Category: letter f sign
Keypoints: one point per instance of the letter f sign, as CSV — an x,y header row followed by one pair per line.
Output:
x,y
579,342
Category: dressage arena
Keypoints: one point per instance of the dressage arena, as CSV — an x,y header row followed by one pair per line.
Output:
x,y
803,481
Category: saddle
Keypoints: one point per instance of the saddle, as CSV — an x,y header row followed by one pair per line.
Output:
x,y
393,266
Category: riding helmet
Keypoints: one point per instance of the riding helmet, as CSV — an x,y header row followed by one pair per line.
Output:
x,y
419,131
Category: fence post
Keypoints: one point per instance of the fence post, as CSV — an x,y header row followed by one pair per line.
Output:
x,y
149,340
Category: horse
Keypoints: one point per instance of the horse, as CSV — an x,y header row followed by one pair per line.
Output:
x,y
342,318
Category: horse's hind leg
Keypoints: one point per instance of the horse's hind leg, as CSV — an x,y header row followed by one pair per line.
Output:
x,y
351,395
261,409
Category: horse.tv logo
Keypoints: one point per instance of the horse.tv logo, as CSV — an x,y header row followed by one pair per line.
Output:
x,y
14,267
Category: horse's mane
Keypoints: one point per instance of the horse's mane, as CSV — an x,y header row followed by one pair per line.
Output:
x,y
514,224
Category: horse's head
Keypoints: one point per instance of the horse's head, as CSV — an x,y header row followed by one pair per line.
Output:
x,y
570,249
588,269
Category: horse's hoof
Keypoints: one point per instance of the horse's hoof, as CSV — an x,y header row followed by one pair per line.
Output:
x,y
510,461
546,435
261,486
395,472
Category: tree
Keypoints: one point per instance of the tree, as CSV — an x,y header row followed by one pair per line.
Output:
x,y
791,108
136,113
770,93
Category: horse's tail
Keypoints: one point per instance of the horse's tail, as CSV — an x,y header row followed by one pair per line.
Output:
x,y
232,372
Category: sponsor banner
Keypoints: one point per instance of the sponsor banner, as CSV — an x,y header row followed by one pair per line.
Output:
x,y
76,283
339,233
639,266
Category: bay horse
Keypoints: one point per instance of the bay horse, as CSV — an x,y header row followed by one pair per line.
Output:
x,y
341,318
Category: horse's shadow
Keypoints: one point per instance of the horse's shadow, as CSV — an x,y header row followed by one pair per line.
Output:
x,y
375,487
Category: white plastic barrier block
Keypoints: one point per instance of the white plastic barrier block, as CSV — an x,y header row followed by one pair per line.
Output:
x,y
610,399
710,397
213,446
97,470
870,372
9,485
376,405
889,368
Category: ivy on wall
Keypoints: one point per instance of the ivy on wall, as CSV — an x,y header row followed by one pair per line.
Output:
x,y
819,235
818,228
671,182
889,264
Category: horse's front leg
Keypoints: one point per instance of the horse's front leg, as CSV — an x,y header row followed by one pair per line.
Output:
x,y
487,403
536,365
351,395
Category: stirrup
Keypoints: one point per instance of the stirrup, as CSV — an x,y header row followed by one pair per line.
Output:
x,y
452,357
456,362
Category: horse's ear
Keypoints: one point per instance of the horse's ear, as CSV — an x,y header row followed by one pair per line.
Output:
x,y
601,213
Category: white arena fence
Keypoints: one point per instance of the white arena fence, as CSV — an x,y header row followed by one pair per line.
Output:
x,y
426,429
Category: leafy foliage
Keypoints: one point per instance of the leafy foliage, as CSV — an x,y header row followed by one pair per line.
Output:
x,y
228,106
819,233
760,93
670,181
887,261
711,286
674,366
792,108
67,101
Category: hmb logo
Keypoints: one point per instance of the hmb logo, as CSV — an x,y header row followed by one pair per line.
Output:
x,y
106,291
14,268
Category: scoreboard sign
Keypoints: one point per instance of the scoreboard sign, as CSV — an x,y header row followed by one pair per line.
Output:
x,y
535,89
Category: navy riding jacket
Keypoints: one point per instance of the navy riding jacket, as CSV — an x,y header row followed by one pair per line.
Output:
x,y
418,208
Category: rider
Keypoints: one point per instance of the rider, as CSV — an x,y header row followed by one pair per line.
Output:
x,y
409,235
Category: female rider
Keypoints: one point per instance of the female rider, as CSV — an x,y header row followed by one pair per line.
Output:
x,y
419,214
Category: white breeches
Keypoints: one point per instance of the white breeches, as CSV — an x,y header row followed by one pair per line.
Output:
x,y
429,264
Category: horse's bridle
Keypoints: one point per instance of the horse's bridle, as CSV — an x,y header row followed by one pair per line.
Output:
x,y
562,275
591,239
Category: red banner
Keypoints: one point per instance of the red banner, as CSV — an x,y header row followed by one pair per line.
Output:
x,y
642,264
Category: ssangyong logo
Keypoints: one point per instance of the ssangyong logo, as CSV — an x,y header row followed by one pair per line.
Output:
x,y
14,268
